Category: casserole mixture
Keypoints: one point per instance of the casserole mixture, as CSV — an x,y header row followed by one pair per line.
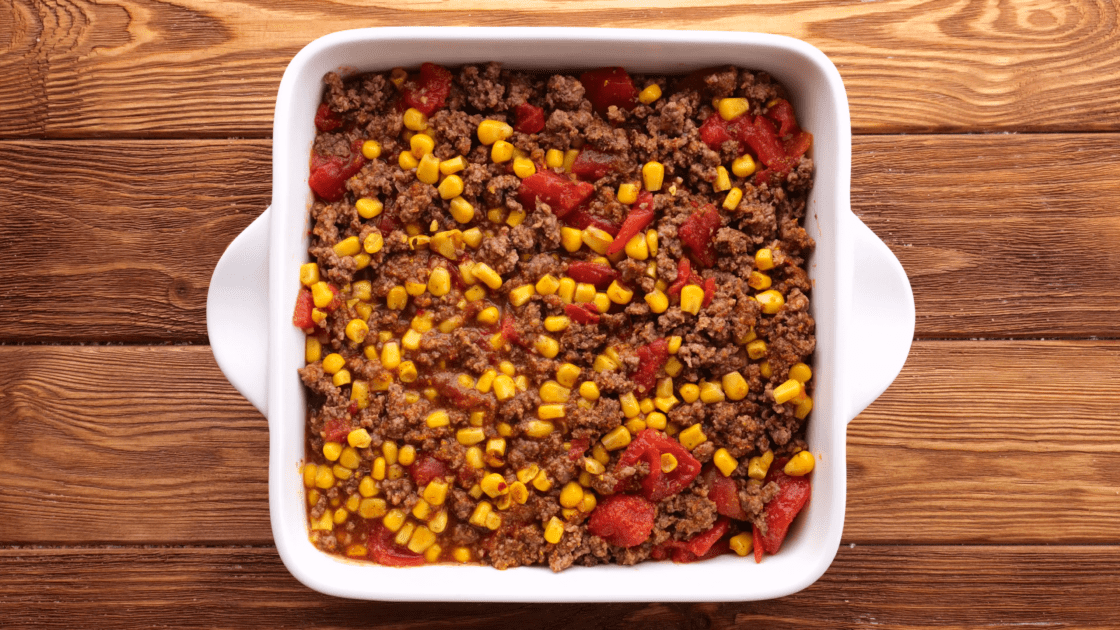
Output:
x,y
556,318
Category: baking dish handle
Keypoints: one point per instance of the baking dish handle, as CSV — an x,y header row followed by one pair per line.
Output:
x,y
237,312
882,318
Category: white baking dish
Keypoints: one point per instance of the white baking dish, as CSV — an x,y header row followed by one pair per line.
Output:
x,y
860,293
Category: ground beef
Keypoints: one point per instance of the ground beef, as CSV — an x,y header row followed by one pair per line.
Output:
x,y
443,404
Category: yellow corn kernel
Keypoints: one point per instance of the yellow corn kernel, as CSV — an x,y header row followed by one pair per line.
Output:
x,y
528,473
361,261
520,295
673,366
618,293
556,323
692,437
438,419
771,301
732,108
742,544
333,363
474,293
481,511
597,239
734,385
438,523
309,472
650,94
668,463
367,487
389,451
757,349
415,120
340,472
787,391
390,355
394,520
488,276
571,495
758,466
494,215
665,404
406,455
348,246
470,436
800,372
588,389
309,274
397,299
630,407
567,374
324,477
326,523
635,425
321,294
653,176
452,166
658,302
690,392
488,316
758,281
450,324
504,389
523,167
603,363
725,462
358,438
547,285
602,302
627,193
422,540
486,381
422,510
359,392
588,503
743,166
507,368
764,259
496,447
356,330
553,392
414,288
542,428
723,181
461,554
341,377
421,146
494,485
674,344
619,437
361,290
765,370
407,160
463,212
439,283
371,149
554,158
553,531
451,187
491,131
734,196
800,464
637,247
584,292
418,242
541,482
372,508
664,390
570,158
656,420
571,238
474,458
804,406
369,208
515,218
377,470
692,298
546,346
502,151
411,398
312,350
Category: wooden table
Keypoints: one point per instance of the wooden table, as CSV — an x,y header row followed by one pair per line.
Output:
x,y
984,486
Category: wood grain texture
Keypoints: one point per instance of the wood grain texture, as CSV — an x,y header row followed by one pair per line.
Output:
x,y
194,68
116,241
889,587
150,445
128,445
1001,235
112,240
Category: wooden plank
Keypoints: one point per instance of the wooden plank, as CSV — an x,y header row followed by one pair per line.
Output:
x,y
116,241
23,71
150,445
891,587
1002,236
128,444
194,68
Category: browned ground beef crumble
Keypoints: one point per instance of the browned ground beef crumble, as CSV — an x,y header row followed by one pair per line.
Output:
x,y
394,416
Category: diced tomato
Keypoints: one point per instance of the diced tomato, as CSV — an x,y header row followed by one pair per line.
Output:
x,y
530,118
793,495
591,164
329,175
560,193
609,86
762,138
640,216
799,144
585,313
724,492
304,303
336,430
648,447
715,131
580,219
702,546
383,550
427,93
509,331
697,233
701,543
781,112
756,538
651,358
623,520
578,448
592,273
425,469
684,274
462,398
326,119
709,291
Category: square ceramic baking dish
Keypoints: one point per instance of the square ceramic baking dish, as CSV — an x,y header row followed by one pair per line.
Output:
x,y
860,292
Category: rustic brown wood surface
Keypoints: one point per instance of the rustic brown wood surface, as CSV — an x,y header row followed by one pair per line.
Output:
x,y
984,485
